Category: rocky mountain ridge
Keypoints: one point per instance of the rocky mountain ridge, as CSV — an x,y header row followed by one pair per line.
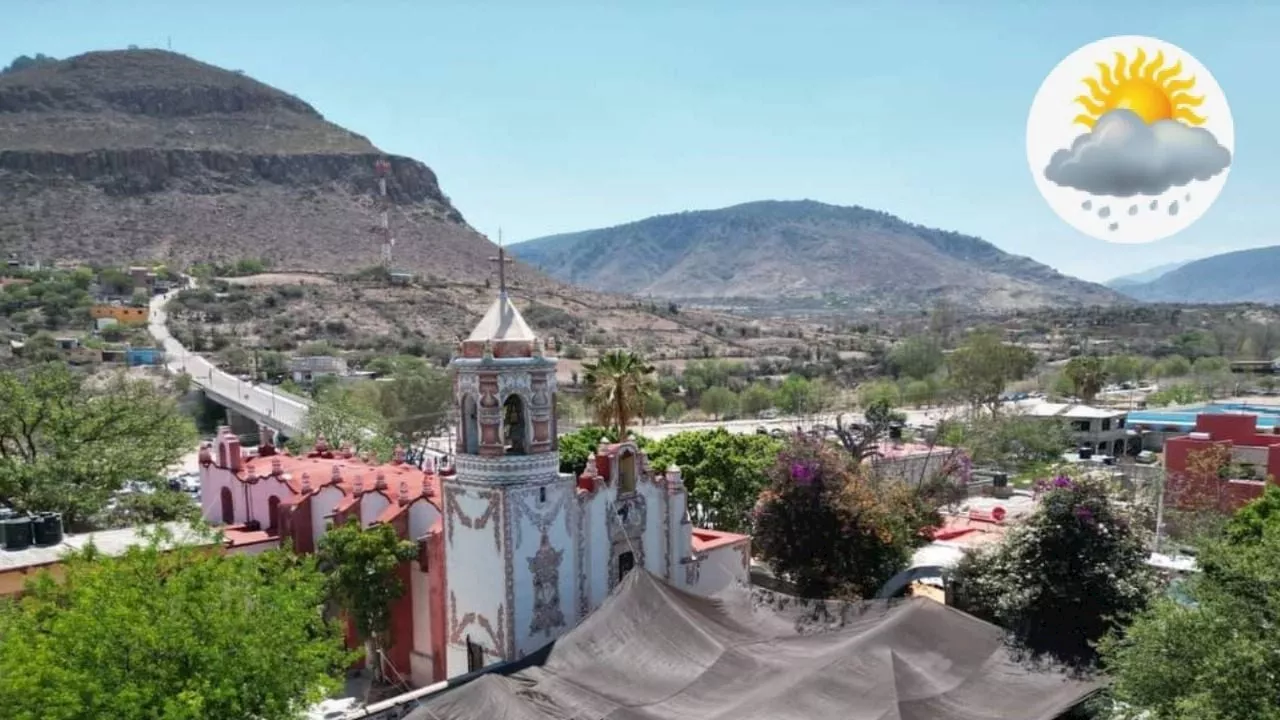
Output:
x,y
798,251
123,156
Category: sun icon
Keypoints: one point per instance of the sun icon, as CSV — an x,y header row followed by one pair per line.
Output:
x,y
1152,90
1156,145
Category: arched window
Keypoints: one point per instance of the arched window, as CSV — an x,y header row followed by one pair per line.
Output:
x,y
627,472
470,426
273,514
228,507
514,427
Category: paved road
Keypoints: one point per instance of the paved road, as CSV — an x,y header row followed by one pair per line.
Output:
x,y
288,412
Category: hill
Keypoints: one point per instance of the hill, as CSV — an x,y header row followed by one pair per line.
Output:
x,y
1146,276
1234,277
134,155
804,251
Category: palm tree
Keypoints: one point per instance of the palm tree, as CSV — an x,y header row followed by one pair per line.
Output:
x,y
617,385
1087,376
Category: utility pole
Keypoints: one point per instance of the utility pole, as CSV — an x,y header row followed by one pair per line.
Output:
x,y
382,168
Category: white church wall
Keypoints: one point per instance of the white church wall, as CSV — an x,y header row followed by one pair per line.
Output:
x,y
420,659
595,548
422,517
259,496
371,506
536,511
653,540
322,505
212,480
720,568
476,572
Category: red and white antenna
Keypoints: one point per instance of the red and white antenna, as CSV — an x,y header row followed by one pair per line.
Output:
x,y
381,168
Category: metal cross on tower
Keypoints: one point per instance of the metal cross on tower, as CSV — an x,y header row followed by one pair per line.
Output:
x,y
502,261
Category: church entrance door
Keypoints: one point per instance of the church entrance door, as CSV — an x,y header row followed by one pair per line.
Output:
x,y
626,563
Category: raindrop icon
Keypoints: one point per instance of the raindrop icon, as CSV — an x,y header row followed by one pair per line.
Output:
x,y
1113,226
1133,209
1087,205
1173,208
1155,204
1104,213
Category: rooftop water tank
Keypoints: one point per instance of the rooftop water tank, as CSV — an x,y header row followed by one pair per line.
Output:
x,y
46,529
16,532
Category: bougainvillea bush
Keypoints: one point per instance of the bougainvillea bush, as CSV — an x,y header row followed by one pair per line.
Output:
x,y
831,531
1074,570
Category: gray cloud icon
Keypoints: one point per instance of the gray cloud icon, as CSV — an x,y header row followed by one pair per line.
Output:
x,y
1123,156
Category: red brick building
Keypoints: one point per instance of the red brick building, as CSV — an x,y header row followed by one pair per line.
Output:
x,y
1225,462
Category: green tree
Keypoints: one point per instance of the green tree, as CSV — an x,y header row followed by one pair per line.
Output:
x,y
824,527
349,415
798,396
723,472
362,578
1174,366
675,411
1123,368
916,358
1212,653
166,633
417,402
1087,376
718,402
577,446
68,446
1016,443
654,405
983,366
1060,581
147,508
755,399
873,393
919,392
617,385
1180,394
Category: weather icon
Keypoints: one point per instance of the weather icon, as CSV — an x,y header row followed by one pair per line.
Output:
x,y
1130,139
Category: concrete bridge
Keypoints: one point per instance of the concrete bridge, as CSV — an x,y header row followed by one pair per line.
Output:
x,y
247,403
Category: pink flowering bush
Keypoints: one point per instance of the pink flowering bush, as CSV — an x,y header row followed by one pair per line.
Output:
x,y
1059,582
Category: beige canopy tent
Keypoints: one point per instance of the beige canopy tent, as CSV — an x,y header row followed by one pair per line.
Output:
x,y
653,652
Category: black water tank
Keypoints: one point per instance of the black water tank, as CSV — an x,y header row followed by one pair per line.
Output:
x,y
1085,453
46,529
1000,480
895,432
17,533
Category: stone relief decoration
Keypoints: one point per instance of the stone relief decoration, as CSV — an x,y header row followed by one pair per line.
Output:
x,y
495,630
517,382
468,384
454,512
692,570
509,469
584,529
525,508
627,518
544,565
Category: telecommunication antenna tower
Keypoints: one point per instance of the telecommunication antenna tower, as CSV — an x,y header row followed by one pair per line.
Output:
x,y
381,168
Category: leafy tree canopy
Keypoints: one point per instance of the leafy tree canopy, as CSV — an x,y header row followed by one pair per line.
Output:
x,y
362,576
823,526
1213,653
169,634
723,472
67,445
984,365
1059,582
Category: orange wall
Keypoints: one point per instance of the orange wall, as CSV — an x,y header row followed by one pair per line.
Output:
x,y
120,312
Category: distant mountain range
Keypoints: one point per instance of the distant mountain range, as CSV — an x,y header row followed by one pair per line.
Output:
x,y
797,250
1146,276
1241,276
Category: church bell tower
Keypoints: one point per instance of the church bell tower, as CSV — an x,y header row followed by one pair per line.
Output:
x,y
507,510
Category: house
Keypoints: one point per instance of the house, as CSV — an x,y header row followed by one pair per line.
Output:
x,y
1225,462
512,553
309,368
1102,429
910,461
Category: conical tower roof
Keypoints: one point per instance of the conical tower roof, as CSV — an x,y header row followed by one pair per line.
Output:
x,y
502,323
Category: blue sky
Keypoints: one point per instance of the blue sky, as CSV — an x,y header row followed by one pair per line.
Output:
x,y
545,117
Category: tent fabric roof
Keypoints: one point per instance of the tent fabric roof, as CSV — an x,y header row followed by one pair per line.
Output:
x,y
653,652
502,322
